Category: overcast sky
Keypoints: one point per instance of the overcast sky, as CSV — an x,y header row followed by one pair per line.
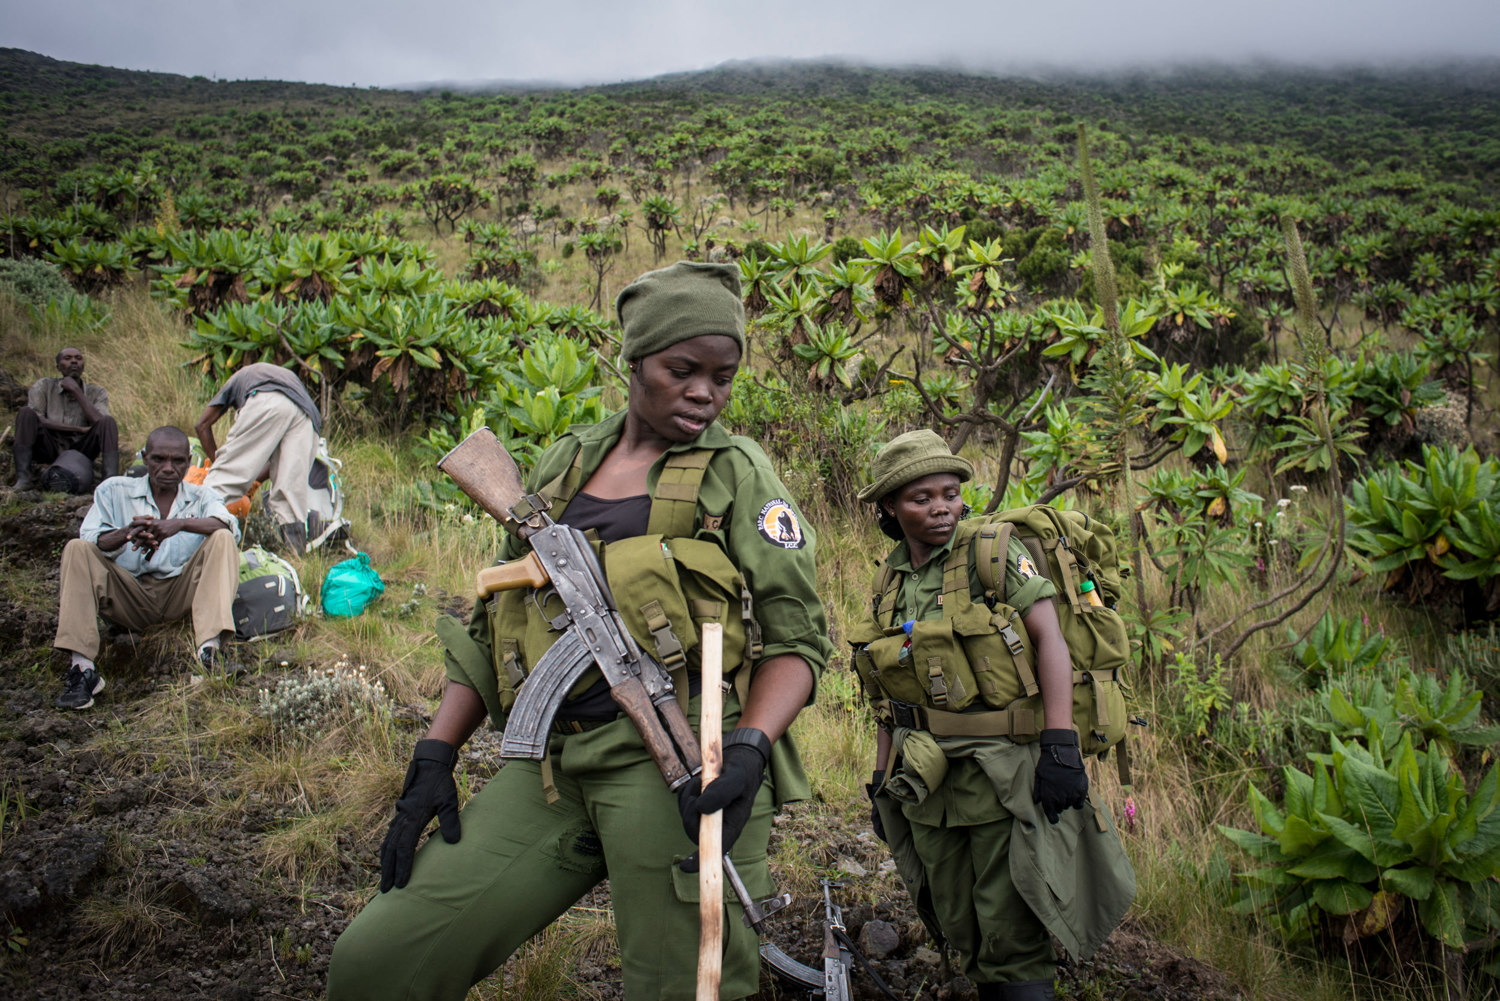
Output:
x,y
388,42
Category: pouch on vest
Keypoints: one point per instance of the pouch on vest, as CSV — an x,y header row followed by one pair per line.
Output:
x,y
665,589
922,766
974,653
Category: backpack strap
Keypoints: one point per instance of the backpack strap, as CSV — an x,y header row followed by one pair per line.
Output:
x,y
1067,566
956,577
674,506
565,485
991,551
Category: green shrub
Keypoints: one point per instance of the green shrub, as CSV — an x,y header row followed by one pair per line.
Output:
x,y
33,281
1385,845
983,229
1432,528
844,248
1477,653
1043,268
1335,647
1436,714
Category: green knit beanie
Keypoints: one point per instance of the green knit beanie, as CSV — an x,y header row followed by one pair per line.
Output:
x,y
687,299
912,456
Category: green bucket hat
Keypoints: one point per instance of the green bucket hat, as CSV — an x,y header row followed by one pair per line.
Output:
x,y
912,456
687,299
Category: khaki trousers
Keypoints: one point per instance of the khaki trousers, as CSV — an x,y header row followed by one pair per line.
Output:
x,y
268,429
93,586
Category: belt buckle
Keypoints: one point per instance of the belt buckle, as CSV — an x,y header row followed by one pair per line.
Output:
x,y
904,714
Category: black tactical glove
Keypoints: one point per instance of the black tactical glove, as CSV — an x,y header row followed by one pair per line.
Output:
x,y
876,824
746,751
428,791
1061,781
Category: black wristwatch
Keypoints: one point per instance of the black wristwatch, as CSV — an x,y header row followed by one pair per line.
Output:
x,y
755,738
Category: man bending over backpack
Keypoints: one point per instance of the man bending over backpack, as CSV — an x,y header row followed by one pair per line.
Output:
x,y
276,425
152,549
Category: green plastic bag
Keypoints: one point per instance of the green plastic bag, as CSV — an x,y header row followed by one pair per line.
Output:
x,y
350,586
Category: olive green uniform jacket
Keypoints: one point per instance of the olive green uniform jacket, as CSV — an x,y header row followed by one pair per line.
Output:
x,y
745,510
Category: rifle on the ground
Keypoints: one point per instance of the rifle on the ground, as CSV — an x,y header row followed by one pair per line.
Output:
x,y
593,633
837,949
832,983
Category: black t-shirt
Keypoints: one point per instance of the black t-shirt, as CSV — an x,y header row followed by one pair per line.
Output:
x,y
612,520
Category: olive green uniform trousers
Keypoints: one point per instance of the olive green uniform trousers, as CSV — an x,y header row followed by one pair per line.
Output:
x,y
978,856
521,862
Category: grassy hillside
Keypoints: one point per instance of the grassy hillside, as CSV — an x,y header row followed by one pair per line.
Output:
x,y
917,251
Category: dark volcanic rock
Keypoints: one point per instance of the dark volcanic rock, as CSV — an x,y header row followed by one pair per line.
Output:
x,y
78,857
18,893
878,939
212,903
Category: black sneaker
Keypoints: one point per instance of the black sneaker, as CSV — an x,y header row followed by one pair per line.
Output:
x,y
79,688
214,662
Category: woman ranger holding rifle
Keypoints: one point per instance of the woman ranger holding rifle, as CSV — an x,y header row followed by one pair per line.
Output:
x,y
695,527
980,792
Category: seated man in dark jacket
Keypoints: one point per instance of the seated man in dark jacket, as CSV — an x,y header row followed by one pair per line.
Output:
x,y
65,413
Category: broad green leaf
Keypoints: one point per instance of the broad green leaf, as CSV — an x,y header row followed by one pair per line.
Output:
x,y
1299,837
1416,882
1333,860
1441,916
1381,851
1343,711
1270,819
1339,896
1371,793
1299,792
1258,845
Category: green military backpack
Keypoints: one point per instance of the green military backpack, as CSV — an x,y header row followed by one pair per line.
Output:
x,y
1080,557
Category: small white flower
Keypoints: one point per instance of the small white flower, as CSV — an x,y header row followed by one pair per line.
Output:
x,y
1283,503
1298,488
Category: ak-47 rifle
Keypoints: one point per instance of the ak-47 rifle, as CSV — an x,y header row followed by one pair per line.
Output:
x,y
592,631
837,957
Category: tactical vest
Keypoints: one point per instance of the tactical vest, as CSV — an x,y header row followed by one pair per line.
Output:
x,y
979,652
667,584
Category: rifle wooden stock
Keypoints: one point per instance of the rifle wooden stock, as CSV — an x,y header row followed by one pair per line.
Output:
x,y
485,471
561,558
508,576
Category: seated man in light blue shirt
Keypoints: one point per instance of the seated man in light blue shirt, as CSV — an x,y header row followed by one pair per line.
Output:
x,y
152,549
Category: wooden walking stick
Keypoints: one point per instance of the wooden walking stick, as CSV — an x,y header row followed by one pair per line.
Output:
x,y
711,826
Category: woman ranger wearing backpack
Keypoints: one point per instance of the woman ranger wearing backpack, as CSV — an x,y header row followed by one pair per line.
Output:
x,y
979,786
696,527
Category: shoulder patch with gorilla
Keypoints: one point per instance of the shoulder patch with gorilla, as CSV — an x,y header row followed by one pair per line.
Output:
x,y
779,526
